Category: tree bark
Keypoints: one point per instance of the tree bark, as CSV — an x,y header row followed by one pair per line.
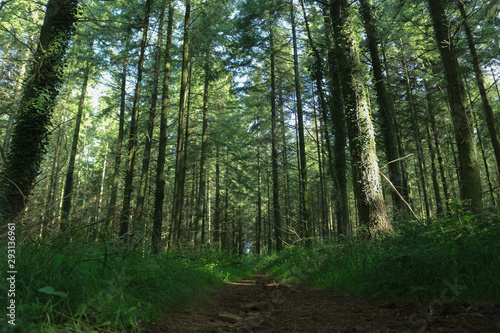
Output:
x,y
274,150
119,144
437,145
180,162
146,159
304,185
160,168
386,108
36,106
469,177
224,227
416,136
437,193
68,186
258,230
200,211
324,220
367,186
217,222
337,157
12,116
488,110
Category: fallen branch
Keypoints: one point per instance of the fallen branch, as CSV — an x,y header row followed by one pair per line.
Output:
x,y
401,197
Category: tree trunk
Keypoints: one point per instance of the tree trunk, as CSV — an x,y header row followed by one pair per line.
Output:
x,y
274,150
139,212
134,122
488,110
469,177
483,153
180,171
217,222
186,198
437,145
68,186
160,168
119,144
36,106
258,230
101,187
406,188
324,220
52,203
225,241
200,211
338,167
12,116
437,193
416,136
305,206
367,185
386,108
284,156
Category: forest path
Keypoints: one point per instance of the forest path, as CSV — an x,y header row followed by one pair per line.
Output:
x,y
260,304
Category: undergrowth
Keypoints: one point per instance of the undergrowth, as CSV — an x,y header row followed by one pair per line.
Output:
x,y
457,257
75,286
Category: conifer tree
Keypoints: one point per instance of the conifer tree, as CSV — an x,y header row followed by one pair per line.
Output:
x,y
469,177
39,97
367,186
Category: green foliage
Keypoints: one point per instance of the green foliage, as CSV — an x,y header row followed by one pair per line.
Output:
x,y
419,262
109,288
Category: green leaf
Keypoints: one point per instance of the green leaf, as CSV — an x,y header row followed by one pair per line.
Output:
x,y
51,291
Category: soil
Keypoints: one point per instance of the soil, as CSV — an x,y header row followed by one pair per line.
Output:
x,y
261,304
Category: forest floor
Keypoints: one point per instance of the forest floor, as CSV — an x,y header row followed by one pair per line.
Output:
x,y
260,304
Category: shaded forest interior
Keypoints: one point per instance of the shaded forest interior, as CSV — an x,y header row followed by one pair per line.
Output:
x,y
208,138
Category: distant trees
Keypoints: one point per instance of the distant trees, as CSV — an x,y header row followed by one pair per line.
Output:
x,y
283,112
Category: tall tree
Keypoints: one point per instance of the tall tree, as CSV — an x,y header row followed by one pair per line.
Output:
x,y
146,159
134,122
416,134
258,231
160,167
338,168
200,210
386,108
367,186
119,141
68,186
274,149
487,108
39,96
469,177
217,222
435,184
180,162
304,186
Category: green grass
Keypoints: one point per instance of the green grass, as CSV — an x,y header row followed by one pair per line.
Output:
x,y
457,257
109,287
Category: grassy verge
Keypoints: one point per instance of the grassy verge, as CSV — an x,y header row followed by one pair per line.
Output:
x,y
109,288
456,257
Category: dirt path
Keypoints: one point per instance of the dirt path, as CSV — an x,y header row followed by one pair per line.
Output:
x,y
262,305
